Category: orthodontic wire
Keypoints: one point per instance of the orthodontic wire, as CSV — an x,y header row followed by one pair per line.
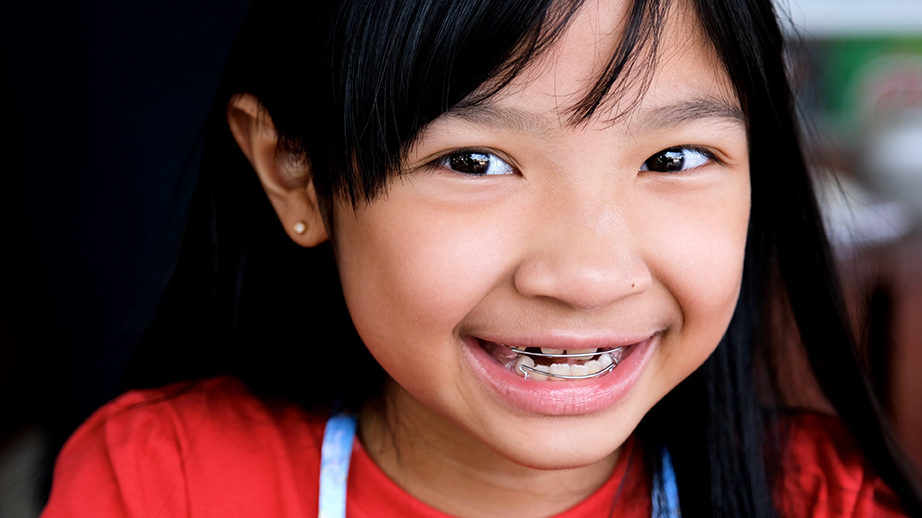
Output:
x,y
526,369
577,355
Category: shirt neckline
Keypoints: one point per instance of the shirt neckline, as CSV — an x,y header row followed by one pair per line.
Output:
x,y
376,491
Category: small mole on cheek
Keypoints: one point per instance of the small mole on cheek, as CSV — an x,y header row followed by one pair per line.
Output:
x,y
632,284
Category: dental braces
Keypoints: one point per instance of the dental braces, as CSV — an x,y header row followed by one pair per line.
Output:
x,y
615,356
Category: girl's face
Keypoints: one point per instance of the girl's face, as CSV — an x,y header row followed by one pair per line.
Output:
x,y
513,226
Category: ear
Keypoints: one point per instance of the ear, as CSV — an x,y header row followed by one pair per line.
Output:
x,y
286,182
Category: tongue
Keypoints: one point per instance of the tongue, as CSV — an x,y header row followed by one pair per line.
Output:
x,y
503,355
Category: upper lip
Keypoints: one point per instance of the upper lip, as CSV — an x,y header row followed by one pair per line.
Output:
x,y
568,341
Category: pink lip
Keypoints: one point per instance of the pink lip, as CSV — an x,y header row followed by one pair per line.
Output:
x,y
561,397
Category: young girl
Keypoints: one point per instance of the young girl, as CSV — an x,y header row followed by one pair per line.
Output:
x,y
569,234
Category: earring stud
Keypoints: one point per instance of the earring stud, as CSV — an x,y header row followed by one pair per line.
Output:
x,y
300,227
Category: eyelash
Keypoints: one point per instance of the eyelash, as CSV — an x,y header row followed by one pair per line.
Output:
x,y
480,158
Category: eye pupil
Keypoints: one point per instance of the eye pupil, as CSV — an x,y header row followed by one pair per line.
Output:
x,y
470,163
668,160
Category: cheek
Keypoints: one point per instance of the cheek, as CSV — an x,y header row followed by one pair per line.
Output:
x,y
412,275
696,250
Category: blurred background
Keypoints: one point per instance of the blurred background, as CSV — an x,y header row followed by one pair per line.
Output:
x,y
104,103
857,69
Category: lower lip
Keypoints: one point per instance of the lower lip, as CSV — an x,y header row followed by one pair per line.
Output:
x,y
560,397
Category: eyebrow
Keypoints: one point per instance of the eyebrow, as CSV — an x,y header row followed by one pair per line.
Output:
x,y
660,117
692,110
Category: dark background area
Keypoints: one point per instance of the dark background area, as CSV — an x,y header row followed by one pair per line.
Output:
x,y
103,105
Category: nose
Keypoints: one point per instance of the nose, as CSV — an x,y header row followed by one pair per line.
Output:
x,y
585,258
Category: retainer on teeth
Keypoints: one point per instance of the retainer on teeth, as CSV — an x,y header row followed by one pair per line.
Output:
x,y
607,361
526,369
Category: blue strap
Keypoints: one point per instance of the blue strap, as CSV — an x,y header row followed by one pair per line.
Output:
x,y
665,491
335,455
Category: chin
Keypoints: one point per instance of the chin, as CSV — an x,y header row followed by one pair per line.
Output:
x,y
565,443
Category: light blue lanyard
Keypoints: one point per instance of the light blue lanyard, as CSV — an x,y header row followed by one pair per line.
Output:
x,y
665,491
336,452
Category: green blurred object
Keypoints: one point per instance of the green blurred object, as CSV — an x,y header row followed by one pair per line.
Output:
x,y
863,80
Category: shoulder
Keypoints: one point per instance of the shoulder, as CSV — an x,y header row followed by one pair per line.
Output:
x,y
825,473
191,449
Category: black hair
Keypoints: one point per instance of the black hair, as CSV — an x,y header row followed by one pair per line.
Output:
x,y
349,84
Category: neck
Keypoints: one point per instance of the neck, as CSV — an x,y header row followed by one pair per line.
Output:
x,y
445,467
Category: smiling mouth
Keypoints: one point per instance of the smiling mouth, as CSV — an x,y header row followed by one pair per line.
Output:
x,y
543,363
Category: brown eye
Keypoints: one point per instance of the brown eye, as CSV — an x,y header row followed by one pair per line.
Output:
x,y
676,159
476,163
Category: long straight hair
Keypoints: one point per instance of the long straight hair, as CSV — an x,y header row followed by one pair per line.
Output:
x,y
349,85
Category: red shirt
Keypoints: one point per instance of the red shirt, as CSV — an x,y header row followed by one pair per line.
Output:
x,y
214,450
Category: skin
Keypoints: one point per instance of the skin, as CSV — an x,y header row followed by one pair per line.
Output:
x,y
577,241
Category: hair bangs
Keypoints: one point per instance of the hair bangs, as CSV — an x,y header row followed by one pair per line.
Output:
x,y
356,110
386,89
634,59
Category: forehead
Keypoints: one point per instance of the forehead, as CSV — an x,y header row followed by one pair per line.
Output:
x,y
680,66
